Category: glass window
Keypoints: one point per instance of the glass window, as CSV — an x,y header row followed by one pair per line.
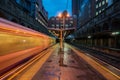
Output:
x,y
57,25
53,18
99,4
36,5
103,2
66,18
71,18
96,6
53,25
71,21
57,18
96,13
103,9
106,1
66,25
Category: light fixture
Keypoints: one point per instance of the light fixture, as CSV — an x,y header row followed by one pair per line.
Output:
x,y
115,33
60,15
89,37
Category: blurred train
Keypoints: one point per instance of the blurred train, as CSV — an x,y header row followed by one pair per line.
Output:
x,y
14,37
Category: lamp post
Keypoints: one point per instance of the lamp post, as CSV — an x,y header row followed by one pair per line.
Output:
x,y
60,16
63,16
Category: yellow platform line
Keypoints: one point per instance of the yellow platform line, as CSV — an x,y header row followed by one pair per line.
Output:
x,y
101,69
31,62
29,74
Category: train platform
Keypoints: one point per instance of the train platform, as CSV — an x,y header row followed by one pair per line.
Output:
x,y
68,63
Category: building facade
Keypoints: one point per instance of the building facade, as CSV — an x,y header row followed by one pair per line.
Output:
x,y
101,5
76,10
15,12
35,9
75,7
102,32
87,11
56,22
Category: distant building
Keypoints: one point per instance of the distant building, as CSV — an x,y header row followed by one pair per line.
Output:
x,y
35,9
101,5
84,10
75,7
56,22
76,10
87,11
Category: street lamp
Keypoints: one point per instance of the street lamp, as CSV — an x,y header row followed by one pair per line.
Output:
x,y
60,15
63,16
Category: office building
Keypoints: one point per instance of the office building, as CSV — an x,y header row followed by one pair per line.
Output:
x,y
35,9
56,22
87,11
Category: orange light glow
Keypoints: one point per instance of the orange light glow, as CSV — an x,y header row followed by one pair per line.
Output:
x,y
17,29
68,15
60,15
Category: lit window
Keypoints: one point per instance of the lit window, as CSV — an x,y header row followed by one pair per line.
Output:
x,y
96,6
103,9
99,4
36,5
96,0
66,25
53,25
57,25
106,1
66,18
53,19
57,18
71,18
96,13
36,18
103,2
100,11
71,21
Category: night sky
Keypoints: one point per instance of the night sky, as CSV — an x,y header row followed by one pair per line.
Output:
x,y
55,6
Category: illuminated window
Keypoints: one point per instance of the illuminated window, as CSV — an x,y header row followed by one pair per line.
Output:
x,y
103,2
57,18
36,18
66,18
103,9
99,4
100,11
96,6
53,18
96,13
71,21
66,25
96,0
71,18
53,25
57,25
36,5
106,1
